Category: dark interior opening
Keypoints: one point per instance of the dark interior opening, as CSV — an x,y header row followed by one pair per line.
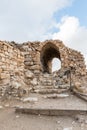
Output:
x,y
49,51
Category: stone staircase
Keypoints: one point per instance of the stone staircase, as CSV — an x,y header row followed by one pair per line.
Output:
x,y
46,80
50,84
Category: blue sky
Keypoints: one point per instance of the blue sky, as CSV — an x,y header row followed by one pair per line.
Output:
x,y
23,20
30,20
78,9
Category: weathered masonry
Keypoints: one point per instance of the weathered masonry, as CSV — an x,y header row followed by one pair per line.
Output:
x,y
29,65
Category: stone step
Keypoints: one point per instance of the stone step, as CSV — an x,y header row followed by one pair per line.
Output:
x,y
43,87
51,87
70,105
54,96
50,111
50,91
46,83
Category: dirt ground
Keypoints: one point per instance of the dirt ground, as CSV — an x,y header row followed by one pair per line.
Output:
x,y
9,120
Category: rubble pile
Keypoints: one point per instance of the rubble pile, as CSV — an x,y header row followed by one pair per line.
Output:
x,y
13,89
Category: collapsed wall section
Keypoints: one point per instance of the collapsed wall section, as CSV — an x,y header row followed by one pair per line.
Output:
x,y
76,60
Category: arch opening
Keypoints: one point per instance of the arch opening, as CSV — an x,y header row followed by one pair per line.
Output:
x,y
56,64
48,53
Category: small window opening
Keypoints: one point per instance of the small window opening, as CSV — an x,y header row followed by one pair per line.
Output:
x,y
56,64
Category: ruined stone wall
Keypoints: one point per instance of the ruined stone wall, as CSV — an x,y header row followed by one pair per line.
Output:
x,y
11,66
30,64
76,59
38,58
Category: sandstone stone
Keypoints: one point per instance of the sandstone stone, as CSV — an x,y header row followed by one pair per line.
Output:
x,y
16,84
30,99
56,96
77,84
34,81
28,63
29,74
3,76
35,67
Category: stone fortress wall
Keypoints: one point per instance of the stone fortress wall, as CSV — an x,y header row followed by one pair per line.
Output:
x,y
29,65
11,66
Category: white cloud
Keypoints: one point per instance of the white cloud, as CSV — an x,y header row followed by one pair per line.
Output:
x,y
72,34
22,20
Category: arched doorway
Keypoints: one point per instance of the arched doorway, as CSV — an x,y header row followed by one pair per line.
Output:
x,y
48,52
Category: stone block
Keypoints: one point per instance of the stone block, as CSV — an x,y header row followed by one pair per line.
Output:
x,y
3,76
29,74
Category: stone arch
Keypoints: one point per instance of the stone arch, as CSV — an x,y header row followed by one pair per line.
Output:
x,y
48,52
